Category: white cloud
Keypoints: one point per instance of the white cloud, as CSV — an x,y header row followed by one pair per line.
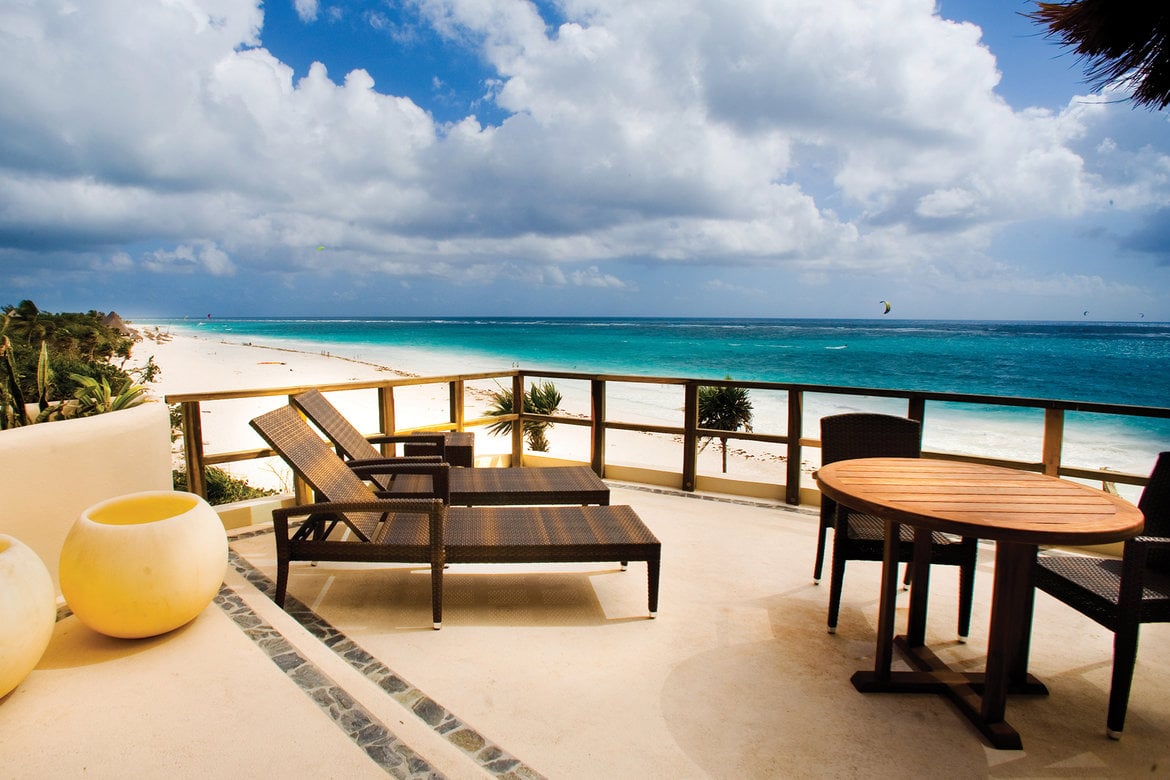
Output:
x,y
823,136
204,257
593,277
306,9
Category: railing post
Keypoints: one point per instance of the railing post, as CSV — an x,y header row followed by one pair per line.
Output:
x,y
690,435
193,448
456,391
386,423
518,427
1053,440
795,431
597,440
916,408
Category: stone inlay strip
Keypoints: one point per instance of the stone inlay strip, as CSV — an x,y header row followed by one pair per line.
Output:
x,y
486,754
489,756
366,731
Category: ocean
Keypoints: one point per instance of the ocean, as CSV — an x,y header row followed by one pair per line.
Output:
x,y
1119,363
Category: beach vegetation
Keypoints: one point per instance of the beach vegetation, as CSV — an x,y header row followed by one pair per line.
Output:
x,y
58,366
542,398
222,487
725,408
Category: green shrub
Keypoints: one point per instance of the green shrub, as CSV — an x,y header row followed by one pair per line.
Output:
x,y
222,488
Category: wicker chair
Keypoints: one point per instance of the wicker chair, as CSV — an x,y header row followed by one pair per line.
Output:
x,y
469,487
1121,594
861,537
425,529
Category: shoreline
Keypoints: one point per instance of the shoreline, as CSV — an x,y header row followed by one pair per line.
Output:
x,y
194,363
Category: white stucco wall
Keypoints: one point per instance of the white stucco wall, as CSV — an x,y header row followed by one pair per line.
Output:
x,y
50,472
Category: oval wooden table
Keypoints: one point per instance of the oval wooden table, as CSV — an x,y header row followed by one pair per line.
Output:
x,y
1019,510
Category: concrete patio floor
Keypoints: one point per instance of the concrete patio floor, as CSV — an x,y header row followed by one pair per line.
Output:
x,y
556,671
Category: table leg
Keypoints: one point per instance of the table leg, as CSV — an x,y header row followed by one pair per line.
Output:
x,y
1009,634
884,654
1018,669
980,696
919,588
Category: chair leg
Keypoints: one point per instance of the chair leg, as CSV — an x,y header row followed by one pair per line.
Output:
x,y
966,597
836,581
820,562
827,520
1125,643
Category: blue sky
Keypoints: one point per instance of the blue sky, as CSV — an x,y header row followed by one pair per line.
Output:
x,y
804,158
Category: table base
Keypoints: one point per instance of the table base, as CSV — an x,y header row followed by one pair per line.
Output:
x,y
965,689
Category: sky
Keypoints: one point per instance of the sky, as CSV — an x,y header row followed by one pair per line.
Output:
x,y
708,158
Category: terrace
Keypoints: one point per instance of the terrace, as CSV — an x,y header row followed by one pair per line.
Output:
x,y
555,671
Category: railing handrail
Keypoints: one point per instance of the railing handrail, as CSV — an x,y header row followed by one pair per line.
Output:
x,y
599,422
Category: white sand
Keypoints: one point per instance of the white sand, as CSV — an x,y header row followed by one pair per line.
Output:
x,y
194,364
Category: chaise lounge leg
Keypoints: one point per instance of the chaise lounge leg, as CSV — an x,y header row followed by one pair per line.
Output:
x,y
652,569
281,582
437,594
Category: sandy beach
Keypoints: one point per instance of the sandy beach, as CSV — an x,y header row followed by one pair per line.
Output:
x,y
195,364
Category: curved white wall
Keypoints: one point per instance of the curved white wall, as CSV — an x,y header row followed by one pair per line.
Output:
x,y
49,472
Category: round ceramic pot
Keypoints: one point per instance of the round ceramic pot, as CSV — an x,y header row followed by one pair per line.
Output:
x,y
28,611
143,564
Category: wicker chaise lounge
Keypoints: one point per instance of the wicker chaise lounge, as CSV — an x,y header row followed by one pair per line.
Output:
x,y
469,487
427,530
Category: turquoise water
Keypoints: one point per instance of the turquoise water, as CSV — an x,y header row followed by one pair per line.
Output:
x,y
1126,363
1118,363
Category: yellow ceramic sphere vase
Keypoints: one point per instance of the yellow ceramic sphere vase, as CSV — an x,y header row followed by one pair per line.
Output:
x,y
28,610
143,564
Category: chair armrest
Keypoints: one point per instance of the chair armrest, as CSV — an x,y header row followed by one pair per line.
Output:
x,y
382,505
433,508
434,440
437,471
1153,542
1133,567
369,463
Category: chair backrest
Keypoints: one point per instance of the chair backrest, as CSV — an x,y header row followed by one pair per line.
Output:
x,y
349,440
314,462
867,435
1155,505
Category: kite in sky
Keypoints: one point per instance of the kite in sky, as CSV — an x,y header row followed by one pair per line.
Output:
x,y
887,305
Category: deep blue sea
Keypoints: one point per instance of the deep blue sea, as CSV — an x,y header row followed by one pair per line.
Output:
x,y
1126,363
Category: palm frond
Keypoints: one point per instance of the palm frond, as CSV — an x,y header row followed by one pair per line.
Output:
x,y
1124,42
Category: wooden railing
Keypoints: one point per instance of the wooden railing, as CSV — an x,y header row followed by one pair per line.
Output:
x,y
793,438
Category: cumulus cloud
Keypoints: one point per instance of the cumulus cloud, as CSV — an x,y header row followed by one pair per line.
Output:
x,y
187,259
593,277
815,136
306,9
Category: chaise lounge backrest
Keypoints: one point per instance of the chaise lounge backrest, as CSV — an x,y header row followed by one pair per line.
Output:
x,y
318,465
349,441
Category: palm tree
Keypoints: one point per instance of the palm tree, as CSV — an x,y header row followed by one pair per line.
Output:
x,y
1120,42
725,408
541,398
